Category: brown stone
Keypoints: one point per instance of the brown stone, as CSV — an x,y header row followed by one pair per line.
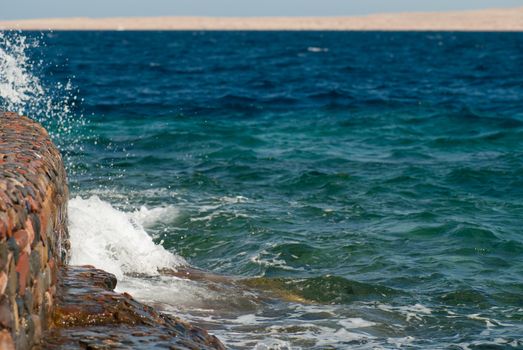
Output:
x,y
48,301
12,279
3,224
13,220
52,267
37,323
22,268
30,230
4,254
5,313
22,240
6,341
3,282
90,314
43,226
14,313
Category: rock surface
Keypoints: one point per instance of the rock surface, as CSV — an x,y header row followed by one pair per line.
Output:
x,y
33,229
90,315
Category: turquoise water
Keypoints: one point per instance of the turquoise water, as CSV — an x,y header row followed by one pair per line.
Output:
x,y
372,183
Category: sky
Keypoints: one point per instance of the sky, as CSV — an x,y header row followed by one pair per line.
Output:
x,y
25,9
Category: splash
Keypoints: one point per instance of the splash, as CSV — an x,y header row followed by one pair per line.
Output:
x,y
116,241
24,92
18,87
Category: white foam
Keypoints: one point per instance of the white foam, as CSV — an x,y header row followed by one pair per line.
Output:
x,y
317,49
17,85
233,200
174,294
273,344
411,312
323,336
268,259
401,342
116,241
149,217
351,323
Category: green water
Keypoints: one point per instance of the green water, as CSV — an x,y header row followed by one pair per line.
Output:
x,y
358,190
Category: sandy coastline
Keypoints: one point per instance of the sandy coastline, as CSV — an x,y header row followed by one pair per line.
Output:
x,y
478,20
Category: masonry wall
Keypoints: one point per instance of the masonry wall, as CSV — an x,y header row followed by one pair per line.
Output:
x,y
33,230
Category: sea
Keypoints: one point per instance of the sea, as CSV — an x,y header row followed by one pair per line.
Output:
x,y
339,190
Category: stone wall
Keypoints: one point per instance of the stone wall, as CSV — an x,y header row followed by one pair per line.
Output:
x,y
33,229
45,304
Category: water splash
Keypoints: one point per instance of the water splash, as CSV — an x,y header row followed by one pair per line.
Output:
x,y
116,241
24,92
18,87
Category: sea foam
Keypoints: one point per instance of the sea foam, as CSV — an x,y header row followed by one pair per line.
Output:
x,y
116,241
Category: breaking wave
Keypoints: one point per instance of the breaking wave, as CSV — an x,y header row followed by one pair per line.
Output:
x,y
116,241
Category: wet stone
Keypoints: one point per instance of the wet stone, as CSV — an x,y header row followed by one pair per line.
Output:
x,y
3,282
28,301
3,221
5,313
13,246
22,268
88,314
33,185
22,239
12,280
3,255
6,341
35,263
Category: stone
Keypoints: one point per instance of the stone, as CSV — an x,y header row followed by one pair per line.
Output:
x,y
4,253
6,341
22,268
30,230
35,223
37,323
22,240
35,264
12,279
13,246
5,313
90,313
14,313
3,222
28,300
3,282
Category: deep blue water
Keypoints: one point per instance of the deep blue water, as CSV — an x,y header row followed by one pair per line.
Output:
x,y
379,176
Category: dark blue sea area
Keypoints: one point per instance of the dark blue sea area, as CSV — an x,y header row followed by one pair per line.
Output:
x,y
364,188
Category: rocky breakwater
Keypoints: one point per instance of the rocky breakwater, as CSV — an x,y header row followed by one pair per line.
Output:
x,y
33,229
45,304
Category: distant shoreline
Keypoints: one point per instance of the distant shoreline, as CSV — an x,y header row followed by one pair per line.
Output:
x,y
478,20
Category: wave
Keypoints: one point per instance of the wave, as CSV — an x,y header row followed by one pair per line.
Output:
x,y
116,241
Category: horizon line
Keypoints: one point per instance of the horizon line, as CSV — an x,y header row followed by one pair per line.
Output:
x,y
491,19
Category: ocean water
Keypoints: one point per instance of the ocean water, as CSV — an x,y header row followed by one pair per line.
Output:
x,y
357,190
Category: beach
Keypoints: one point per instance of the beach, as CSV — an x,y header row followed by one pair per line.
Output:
x,y
508,19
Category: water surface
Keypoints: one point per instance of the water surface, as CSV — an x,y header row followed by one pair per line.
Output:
x,y
372,181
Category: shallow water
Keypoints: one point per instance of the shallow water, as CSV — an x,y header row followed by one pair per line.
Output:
x,y
367,186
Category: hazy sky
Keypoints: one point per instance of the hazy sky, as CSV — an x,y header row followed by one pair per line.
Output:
x,y
18,9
